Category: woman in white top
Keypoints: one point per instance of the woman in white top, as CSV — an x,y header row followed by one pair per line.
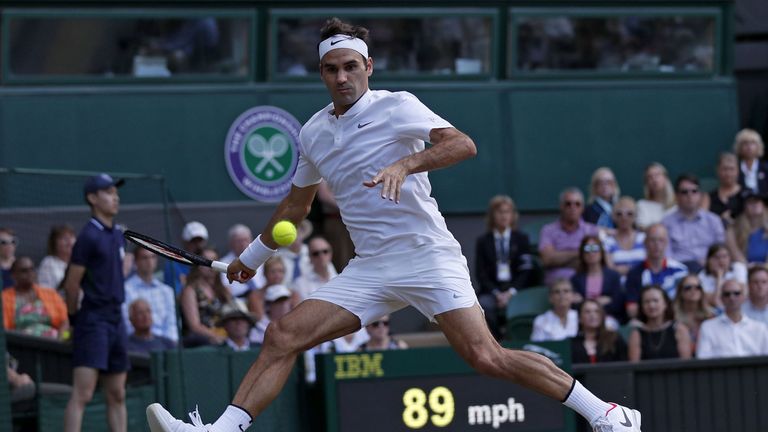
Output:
x,y
659,196
625,246
54,265
718,268
561,321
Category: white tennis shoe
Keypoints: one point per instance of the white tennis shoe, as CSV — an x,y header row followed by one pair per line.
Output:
x,y
160,420
618,419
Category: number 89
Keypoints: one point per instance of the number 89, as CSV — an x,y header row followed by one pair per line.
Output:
x,y
416,415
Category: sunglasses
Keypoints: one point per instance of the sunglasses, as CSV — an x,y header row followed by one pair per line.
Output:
x,y
572,203
624,213
317,253
688,191
690,287
727,294
379,324
591,248
8,241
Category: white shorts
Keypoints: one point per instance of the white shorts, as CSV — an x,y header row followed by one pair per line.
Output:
x,y
433,279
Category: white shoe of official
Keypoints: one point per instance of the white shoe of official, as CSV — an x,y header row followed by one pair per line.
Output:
x,y
160,420
618,419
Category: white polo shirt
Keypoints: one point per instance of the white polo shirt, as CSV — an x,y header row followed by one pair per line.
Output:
x,y
379,129
721,337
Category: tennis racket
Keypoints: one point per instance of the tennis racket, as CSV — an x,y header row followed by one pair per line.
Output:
x,y
173,253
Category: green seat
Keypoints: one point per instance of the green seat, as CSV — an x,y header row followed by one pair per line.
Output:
x,y
529,301
520,328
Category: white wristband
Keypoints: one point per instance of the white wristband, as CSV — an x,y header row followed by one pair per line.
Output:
x,y
256,254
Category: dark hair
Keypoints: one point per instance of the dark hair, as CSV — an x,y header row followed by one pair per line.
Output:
x,y
57,231
689,177
582,266
17,262
606,339
336,26
756,269
711,251
669,313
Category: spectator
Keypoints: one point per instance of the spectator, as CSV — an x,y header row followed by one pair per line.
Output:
x,y
753,171
691,306
333,227
625,246
657,269
732,334
194,238
691,229
237,322
603,193
719,268
658,335
595,281
320,256
30,308
380,337
142,339
748,236
559,241
658,196
296,255
8,242
278,303
346,344
54,265
726,200
99,339
560,322
274,273
161,296
595,343
756,307
503,261
201,302
240,237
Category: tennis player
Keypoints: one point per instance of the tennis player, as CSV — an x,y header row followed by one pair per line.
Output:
x,y
369,147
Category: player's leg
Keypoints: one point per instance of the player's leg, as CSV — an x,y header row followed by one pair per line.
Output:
x,y
113,385
468,334
84,381
311,323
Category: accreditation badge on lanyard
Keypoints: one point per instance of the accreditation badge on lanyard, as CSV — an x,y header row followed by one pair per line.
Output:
x,y
503,271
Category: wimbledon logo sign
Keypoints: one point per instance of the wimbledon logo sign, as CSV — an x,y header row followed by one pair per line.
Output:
x,y
261,152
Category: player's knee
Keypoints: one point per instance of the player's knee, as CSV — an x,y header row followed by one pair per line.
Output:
x,y
279,338
115,396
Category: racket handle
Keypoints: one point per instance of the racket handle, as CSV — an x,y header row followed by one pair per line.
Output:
x,y
219,266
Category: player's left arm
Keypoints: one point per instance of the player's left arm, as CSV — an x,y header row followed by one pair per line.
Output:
x,y
449,146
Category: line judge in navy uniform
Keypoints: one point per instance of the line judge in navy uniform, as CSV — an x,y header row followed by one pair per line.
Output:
x,y
503,262
95,275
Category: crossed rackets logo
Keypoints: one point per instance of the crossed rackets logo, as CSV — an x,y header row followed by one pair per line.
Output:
x,y
269,152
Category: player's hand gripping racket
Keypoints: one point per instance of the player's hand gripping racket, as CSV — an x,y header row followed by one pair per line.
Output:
x,y
173,253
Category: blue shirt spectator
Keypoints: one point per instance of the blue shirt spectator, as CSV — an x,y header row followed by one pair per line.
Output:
x,y
142,340
144,285
195,238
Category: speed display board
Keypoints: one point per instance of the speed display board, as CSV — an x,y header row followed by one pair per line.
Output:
x,y
432,389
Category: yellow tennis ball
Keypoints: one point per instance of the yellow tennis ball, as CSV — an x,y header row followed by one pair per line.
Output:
x,y
284,233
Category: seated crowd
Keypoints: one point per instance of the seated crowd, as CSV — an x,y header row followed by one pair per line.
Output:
x,y
678,273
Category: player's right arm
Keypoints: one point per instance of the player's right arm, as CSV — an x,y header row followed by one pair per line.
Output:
x,y
72,279
294,207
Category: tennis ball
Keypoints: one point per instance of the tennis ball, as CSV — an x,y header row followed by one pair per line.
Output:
x,y
284,233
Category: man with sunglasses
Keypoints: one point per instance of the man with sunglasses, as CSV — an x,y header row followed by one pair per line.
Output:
x,y
7,255
692,230
559,241
732,334
320,256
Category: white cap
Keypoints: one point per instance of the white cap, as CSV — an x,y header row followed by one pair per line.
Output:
x,y
194,229
276,292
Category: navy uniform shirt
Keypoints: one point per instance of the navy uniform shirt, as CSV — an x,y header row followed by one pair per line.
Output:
x,y
100,250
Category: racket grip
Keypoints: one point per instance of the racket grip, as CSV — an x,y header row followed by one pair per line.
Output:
x,y
219,266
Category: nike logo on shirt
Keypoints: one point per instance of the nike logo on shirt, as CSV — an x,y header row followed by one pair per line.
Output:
x,y
362,125
626,421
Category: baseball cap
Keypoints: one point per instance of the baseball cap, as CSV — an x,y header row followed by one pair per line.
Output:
x,y
99,182
276,292
194,229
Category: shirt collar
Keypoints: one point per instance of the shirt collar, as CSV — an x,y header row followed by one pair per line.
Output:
x,y
608,207
504,234
357,107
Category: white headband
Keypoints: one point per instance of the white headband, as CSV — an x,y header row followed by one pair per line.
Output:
x,y
343,41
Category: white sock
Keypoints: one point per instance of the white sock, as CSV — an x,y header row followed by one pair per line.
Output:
x,y
234,419
585,403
